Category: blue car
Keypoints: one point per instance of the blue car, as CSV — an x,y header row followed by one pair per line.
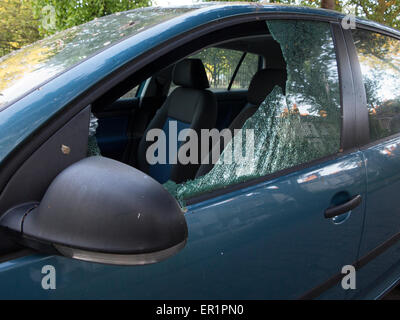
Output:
x,y
123,174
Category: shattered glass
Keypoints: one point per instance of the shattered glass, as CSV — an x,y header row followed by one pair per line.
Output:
x,y
22,70
291,129
93,147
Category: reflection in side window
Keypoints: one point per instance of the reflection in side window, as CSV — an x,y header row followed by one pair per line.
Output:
x,y
379,58
291,129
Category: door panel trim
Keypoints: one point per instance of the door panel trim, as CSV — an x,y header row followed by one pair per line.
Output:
x,y
315,292
346,88
360,97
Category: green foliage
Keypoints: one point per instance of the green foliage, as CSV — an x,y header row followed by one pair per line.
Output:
x,y
17,25
69,13
231,1
383,11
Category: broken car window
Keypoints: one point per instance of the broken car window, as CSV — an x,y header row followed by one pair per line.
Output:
x,y
287,129
93,147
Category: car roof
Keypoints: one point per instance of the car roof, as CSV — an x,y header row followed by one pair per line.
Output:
x,y
21,118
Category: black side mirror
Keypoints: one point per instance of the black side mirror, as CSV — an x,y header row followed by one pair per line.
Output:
x,y
101,210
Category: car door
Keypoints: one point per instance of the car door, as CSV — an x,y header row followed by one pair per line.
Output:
x,y
379,61
263,236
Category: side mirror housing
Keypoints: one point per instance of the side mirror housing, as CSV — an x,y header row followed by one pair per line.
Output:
x,y
101,210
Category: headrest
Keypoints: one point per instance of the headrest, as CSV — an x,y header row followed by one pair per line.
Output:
x,y
190,73
264,82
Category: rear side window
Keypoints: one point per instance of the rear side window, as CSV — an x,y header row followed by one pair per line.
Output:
x,y
379,58
220,65
246,71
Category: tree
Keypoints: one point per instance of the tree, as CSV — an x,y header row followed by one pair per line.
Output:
x,y
328,4
18,27
383,11
69,13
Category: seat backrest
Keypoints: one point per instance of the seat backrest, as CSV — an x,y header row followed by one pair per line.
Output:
x,y
190,105
261,86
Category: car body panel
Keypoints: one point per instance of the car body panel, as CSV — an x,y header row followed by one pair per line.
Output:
x,y
381,220
272,238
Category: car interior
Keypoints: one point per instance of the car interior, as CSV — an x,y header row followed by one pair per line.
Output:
x,y
185,91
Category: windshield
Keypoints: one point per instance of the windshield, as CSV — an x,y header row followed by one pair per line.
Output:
x,y
25,69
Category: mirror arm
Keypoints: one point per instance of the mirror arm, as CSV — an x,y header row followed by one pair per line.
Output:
x,y
13,219
12,225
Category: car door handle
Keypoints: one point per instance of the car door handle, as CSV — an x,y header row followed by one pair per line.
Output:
x,y
343,208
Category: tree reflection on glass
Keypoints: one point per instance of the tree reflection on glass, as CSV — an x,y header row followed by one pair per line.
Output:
x,y
379,58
